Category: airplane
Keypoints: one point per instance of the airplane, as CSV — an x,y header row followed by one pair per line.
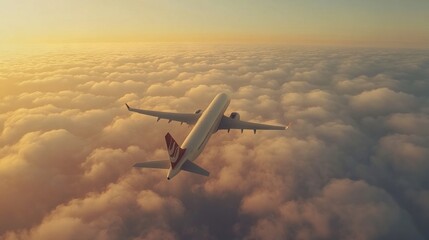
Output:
x,y
206,123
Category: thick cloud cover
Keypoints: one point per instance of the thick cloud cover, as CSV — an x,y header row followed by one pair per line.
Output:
x,y
353,166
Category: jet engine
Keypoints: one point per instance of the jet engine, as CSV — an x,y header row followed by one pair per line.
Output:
x,y
235,116
198,111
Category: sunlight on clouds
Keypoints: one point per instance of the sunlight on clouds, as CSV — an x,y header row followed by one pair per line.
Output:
x,y
352,166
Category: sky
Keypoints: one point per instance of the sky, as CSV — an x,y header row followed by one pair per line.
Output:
x,y
353,165
392,23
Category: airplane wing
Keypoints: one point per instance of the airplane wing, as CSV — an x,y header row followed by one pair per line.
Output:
x,y
229,123
189,118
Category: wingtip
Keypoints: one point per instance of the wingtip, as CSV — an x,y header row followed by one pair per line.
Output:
x,y
289,125
128,107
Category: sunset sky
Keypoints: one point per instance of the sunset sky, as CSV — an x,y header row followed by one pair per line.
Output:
x,y
380,23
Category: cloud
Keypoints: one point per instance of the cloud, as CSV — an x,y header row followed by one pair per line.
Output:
x,y
409,123
119,204
352,166
346,209
382,101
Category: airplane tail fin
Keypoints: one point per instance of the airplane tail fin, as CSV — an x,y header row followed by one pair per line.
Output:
x,y
174,150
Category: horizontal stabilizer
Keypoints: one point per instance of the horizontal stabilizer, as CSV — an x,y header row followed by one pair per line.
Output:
x,y
163,164
194,168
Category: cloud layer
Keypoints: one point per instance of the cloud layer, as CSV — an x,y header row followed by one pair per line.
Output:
x,y
353,166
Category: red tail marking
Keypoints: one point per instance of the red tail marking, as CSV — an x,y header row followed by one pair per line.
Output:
x,y
174,150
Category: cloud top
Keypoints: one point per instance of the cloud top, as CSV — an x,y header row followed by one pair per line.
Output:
x,y
353,165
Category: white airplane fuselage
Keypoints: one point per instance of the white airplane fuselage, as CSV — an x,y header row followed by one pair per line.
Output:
x,y
200,134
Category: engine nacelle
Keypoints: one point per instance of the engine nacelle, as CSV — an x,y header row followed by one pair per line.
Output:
x,y
198,111
235,116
